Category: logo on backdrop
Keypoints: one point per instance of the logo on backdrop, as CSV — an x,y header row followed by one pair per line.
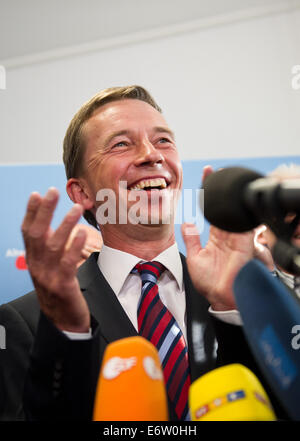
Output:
x,y
18,257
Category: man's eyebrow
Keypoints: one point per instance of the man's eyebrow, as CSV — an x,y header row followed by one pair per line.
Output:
x,y
161,129
114,135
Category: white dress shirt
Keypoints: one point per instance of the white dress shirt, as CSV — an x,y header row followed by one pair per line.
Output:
x,y
116,266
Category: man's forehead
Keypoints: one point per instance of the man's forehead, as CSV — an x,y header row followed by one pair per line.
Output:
x,y
135,111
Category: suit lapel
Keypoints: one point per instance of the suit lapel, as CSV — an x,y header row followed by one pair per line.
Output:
x,y
103,303
200,331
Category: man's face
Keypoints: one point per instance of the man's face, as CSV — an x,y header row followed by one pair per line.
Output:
x,y
130,141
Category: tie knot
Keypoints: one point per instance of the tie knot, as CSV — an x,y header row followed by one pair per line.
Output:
x,y
149,271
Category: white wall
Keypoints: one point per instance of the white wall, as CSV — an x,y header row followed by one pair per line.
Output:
x,y
34,26
224,85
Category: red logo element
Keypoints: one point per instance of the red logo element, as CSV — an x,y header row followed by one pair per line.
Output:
x,y
21,263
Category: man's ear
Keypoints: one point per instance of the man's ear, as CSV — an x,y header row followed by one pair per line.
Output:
x,y
261,235
79,193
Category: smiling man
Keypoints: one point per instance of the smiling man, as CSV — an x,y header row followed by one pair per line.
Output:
x,y
144,157
119,136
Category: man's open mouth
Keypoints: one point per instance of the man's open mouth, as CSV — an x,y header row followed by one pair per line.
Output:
x,y
149,184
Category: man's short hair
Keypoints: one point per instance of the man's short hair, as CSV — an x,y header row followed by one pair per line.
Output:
x,y
73,146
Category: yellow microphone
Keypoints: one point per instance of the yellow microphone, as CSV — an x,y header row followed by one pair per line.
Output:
x,y
131,383
229,393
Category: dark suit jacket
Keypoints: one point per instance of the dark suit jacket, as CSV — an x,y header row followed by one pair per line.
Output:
x,y
61,374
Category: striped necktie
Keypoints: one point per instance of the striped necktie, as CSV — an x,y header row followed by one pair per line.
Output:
x,y
156,324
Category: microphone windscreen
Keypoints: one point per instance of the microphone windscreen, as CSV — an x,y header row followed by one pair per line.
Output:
x,y
229,393
224,205
270,312
131,383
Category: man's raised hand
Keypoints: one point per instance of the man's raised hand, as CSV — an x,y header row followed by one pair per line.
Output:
x,y
53,266
214,267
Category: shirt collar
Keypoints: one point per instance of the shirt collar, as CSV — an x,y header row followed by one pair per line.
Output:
x,y
111,259
289,279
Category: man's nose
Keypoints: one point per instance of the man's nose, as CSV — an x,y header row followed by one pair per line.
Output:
x,y
148,154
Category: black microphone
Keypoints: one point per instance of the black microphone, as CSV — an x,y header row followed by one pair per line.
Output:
x,y
237,199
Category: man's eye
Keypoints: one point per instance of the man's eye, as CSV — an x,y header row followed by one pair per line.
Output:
x,y
164,140
120,144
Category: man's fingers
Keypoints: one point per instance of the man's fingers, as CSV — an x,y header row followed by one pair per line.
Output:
x,y
72,255
207,170
32,207
191,239
43,217
58,240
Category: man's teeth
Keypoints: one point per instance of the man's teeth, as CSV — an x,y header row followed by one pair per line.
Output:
x,y
157,182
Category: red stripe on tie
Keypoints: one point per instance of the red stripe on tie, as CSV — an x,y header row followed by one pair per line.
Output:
x,y
165,320
183,397
172,360
152,269
150,319
145,304
180,370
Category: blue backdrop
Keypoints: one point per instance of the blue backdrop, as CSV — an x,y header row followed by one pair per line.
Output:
x,y
17,182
